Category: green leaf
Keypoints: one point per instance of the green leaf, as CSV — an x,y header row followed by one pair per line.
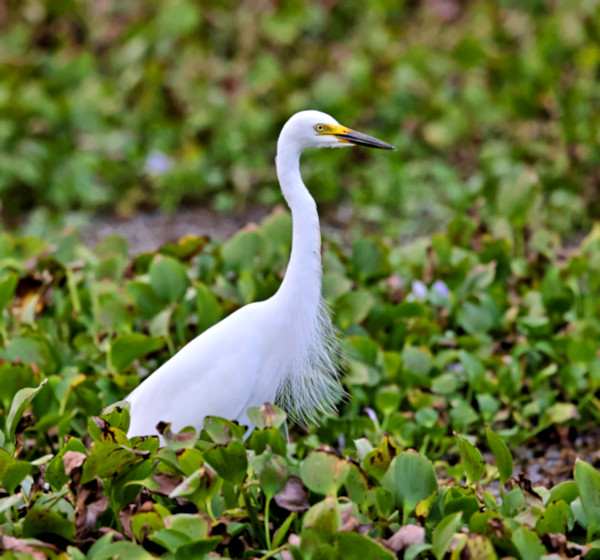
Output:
x,y
554,518
566,491
324,517
587,479
198,548
272,473
14,473
146,299
168,278
126,348
7,289
472,459
40,521
475,319
357,485
266,416
353,308
323,473
528,544
190,524
170,539
444,533
221,430
354,546
19,403
32,349
414,480
478,546
106,550
208,308
416,360
110,459
501,455
367,258
229,461
556,294
146,523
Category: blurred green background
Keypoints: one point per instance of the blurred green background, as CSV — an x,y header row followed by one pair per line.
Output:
x,y
114,107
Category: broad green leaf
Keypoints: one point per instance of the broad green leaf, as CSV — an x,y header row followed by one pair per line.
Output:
x,y
414,480
475,319
126,348
357,485
566,490
554,518
528,544
416,360
229,461
14,473
354,546
192,525
222,431
587,479
471,457
7,289
367,258
110,459
146,299
32,349
19,403
353,308
444,533
168,278
170,539
266,416
145,523
324,517
107,550
207,305
477,546
323,473
271,471
40,521
501,455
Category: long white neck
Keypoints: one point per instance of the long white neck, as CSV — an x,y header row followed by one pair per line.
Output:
x,y
301,287
310,387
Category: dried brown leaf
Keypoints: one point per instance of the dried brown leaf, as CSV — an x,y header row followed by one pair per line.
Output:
x,y
73,460
31,547
404,537
293,497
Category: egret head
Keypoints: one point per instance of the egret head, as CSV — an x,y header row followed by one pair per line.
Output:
x,y
314,129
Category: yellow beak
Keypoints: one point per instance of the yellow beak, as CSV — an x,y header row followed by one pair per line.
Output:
x,y
350,136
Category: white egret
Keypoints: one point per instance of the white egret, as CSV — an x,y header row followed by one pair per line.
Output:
x,y
280,350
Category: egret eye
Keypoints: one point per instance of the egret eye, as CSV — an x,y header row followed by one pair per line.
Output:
x,y
319,128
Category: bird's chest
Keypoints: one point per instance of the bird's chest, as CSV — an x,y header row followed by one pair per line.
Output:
x,y
282,356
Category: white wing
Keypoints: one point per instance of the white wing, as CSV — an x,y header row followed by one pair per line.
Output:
x,y
215,374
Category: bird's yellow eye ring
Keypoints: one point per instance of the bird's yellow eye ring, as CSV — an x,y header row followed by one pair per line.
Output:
x,y
319,128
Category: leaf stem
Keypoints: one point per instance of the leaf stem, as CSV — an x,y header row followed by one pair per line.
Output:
x,y
267,531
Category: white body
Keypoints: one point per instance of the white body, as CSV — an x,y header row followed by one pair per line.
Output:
x,y
280,350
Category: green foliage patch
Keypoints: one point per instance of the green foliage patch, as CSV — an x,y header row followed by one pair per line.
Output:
x,y
128,104
454,348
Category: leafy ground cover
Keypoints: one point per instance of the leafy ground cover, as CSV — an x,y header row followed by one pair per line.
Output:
x,y
458,346
467,354
121,105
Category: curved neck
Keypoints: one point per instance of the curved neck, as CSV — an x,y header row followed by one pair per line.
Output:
x,y
302,283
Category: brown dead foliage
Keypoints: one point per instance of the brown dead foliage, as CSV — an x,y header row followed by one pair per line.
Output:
x,y
293,497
